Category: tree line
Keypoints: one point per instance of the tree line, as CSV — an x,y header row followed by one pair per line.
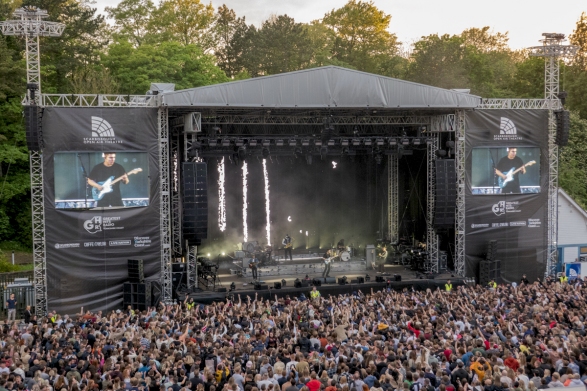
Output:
x,y
192,44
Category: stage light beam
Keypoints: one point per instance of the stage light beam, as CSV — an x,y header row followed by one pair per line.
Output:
x,y
267,204
334,164
221,197
245,226
289,218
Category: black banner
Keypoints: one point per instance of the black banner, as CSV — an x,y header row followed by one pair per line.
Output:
x,y
107,219
506,193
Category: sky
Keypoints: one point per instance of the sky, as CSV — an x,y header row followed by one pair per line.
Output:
x,y
525,20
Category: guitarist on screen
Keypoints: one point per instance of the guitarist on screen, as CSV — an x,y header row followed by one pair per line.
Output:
x,y
287,243
102,172
505,165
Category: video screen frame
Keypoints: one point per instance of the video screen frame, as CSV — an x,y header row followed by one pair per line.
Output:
x,y
101,180
494,170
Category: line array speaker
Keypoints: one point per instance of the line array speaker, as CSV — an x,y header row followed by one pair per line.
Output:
x,y
137,295
444,212
563,127
491,250
195,202
33,131
136,272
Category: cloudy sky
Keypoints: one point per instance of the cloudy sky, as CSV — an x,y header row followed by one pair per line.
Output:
x,y
525,20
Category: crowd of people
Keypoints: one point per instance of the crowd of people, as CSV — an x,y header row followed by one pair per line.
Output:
x,y
470,338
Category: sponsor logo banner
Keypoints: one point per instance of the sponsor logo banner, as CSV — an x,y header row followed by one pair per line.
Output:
x,y
60,246
102,133
119,243
99,224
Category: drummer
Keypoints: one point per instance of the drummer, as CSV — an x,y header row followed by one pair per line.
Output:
x,y
340,246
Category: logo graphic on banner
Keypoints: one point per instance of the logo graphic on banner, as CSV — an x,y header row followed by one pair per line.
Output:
x,y
573,270
499,208
101,127
507,126
93,225
102,132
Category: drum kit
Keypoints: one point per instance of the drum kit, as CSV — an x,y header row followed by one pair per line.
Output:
x,y
344,253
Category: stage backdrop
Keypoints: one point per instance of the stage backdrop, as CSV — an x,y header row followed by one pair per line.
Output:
x,y
88,246
513,213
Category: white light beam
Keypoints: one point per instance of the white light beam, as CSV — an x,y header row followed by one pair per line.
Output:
x,y
267,205
245,227
221,197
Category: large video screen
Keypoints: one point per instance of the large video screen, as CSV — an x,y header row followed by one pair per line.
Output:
x,y
511,170
88,180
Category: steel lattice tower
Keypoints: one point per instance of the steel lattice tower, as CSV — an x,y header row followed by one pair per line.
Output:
x,y
30,24
552,50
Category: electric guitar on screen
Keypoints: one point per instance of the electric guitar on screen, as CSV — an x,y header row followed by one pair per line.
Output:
x,y
509,176
107,185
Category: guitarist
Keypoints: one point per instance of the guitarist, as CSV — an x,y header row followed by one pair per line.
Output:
x,y
507,163
327,257
287,244
101,172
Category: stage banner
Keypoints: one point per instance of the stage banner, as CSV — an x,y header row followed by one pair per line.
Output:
x,y
101,189
506,193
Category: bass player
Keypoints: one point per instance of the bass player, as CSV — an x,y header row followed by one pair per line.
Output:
x,y
102,172
287,243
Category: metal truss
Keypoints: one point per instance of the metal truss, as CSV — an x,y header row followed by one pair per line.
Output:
x,y
431,236
392,196
164,208
95,100
38,222
459,256
552,235
192,267
31,25
442,123
176,232
532,104
314,119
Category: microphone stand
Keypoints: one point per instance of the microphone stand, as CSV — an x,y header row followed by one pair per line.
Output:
x,y
86,180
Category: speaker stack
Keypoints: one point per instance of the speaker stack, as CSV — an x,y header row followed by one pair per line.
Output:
x,y
444,212
563,127
195,202
137,291
33,131
490,268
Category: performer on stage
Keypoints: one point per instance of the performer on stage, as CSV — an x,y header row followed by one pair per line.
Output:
x,y
507,163
287,242
253,265
340,246
381,260
327,257
104,171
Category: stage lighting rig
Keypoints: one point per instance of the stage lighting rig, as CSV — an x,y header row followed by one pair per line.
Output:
x,y
416,141
239,142
252,143
405,141
225,142
212,142
279,143
318,143
345,142
393,142
356,142
379,142
368,142
305,142
266,142
292,142
331,143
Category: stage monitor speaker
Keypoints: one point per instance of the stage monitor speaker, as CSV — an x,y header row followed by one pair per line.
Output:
x,y
563,126
444,212
297,284
261,287
221,290
305,283
195,202
33,131
360,280
379,279
317,282
329,280
277,285
397,277
342,281
178,267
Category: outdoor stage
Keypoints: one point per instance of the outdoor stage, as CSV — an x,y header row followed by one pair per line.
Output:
x,y
244,285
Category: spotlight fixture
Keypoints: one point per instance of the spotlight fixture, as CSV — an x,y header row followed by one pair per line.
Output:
x,y
405,141
416,141
239,142
292,142
330,142
345,142
265,153
214,130
450,144
379,142
368,142
429,141
356,142
212,142
279,143
440,153
252,143
225,142
266,143
562,96
318,143
392,141
298,152
305,142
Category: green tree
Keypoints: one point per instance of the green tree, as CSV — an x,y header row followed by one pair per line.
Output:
x,y
573,161
575,75
529,78
362,39
226,30
579,38
135,68
188,22
132,19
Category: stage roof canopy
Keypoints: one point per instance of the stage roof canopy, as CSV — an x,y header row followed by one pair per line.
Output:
x,y
325,87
